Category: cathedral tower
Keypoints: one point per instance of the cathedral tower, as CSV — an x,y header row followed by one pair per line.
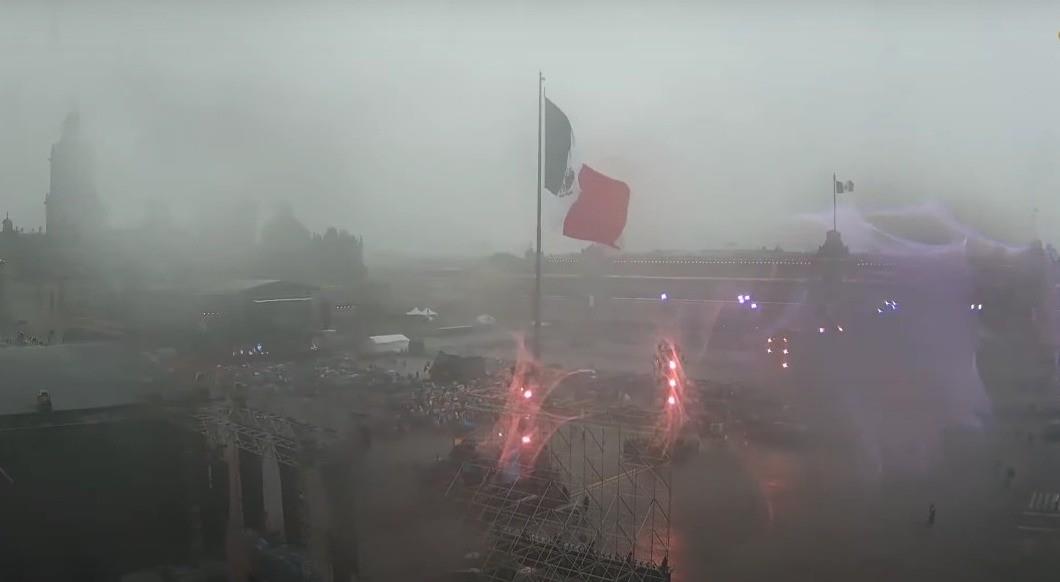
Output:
x,y
72,206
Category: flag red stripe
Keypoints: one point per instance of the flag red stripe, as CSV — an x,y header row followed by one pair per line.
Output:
x,y
599,214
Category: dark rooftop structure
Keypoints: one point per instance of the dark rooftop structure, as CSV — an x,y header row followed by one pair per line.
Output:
x,y
259,289
78,377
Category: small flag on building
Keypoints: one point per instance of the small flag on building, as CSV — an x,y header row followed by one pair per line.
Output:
x,y
841,187
594,206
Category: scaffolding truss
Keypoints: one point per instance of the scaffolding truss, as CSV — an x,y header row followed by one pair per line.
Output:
x,y
594,505
261,432
258,432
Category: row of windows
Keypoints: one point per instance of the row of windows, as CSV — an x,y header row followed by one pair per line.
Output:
x,y
707,262
216,314
571,261
669,261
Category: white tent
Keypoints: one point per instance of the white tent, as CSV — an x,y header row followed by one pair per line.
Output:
x,y
426,313
388,344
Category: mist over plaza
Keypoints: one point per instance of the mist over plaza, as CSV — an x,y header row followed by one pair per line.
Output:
x,y
528,291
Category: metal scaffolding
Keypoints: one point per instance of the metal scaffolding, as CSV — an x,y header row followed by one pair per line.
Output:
x,y
260,432
593,504
292,442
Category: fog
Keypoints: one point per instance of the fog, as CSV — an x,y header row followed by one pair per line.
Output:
x,y
413,123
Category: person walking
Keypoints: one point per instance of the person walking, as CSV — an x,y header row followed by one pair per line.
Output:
x,y
931,515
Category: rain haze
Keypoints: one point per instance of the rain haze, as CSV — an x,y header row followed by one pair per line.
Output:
x,y
529,291
724,119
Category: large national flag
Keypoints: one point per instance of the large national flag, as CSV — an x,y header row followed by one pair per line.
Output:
x,y
559,140
595,205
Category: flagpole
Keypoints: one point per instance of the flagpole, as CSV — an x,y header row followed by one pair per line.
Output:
x,y
834,203
537,255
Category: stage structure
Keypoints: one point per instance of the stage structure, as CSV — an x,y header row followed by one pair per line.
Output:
x,y
592,504
262,433
311,456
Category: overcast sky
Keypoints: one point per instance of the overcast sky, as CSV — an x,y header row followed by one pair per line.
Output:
x,y
414,122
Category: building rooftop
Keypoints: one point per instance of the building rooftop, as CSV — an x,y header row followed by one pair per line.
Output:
x,y
253,286
78,377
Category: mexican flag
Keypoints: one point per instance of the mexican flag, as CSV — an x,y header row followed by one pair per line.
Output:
x,y
593,206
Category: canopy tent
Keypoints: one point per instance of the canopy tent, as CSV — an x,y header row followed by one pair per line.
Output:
x,y
388,344
426,313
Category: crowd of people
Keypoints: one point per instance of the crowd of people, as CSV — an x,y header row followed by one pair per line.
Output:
x,y
258,375
414,398
22,338
443,404
311,376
